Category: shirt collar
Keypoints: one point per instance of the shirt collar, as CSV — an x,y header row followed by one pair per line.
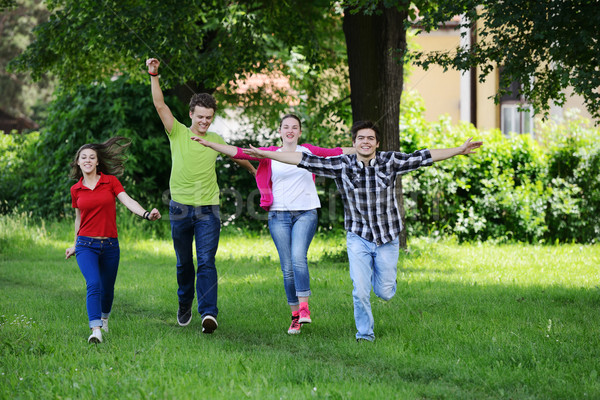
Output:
x,y
103,179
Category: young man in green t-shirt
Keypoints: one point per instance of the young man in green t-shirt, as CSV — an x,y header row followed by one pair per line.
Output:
x,y
194,206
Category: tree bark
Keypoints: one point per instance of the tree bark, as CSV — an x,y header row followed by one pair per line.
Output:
x,y
375,46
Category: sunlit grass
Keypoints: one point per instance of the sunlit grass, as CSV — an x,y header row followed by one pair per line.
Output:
x,y
469,321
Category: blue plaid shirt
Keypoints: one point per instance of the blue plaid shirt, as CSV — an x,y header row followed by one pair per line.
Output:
x,y
368,192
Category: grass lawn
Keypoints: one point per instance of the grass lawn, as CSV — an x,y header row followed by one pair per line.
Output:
x,y
469,321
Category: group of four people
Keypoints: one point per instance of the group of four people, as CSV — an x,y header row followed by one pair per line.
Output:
x,y
285,179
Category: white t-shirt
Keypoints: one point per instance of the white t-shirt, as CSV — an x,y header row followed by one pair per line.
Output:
x,y
293,188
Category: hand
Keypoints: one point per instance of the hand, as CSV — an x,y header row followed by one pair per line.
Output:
x,y
469,147
152,64
201,140
69,252
154,215
254,152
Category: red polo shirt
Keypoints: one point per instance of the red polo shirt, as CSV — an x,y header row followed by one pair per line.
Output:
x,y
97,206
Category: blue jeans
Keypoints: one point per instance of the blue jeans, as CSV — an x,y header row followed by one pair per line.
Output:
x,y
204,223
370,265
98,260
292,232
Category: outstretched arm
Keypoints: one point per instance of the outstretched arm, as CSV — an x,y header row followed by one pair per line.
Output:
x,y
135,207
288,157
467,148
164,112
228,150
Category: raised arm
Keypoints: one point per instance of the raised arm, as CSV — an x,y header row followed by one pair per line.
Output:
x,y
288,157
467,148
164,112
135,207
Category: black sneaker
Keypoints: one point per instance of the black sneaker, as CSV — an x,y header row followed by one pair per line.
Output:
x,y
209,324
184,314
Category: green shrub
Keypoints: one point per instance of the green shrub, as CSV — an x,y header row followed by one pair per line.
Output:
x,y
16,164
515,188
574,166
93,114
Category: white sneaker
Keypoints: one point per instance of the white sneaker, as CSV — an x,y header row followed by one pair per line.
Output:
x,y
96,336
105,324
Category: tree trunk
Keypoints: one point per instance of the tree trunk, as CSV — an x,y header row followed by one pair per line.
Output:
x,y
375,46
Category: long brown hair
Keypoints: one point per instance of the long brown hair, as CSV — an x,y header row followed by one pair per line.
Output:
x,y
111,157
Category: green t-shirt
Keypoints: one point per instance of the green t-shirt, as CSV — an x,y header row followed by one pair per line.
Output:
x,y
193,178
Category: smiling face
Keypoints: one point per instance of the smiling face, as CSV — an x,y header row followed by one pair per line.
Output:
x,y
202,117
290,130
366,144
87,161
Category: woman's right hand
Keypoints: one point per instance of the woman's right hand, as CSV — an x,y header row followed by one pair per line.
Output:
x,y
69,252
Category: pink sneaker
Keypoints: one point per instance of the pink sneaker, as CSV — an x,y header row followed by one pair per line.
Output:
x,y
304,314
295,326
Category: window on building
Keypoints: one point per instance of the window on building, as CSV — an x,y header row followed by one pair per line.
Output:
x,y
516,115
516,118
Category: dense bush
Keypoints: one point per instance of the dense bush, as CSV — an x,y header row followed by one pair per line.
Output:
x,y
35,166
514,188
517,188
93,114
16,164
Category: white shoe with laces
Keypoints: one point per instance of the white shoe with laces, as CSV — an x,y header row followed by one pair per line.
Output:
x,y
105,324
96,336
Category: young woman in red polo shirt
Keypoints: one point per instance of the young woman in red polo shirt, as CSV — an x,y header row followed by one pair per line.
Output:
x,y
96,245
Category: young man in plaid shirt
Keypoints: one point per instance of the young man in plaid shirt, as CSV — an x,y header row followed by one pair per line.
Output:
x,y
366,181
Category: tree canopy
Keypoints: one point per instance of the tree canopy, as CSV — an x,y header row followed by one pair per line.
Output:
x,y
204,42
203,45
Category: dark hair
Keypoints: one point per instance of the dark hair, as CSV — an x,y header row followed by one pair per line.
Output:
x,y
110,155
364,125
203,100
290,116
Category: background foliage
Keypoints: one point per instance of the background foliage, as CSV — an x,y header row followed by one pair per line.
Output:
x,y
515,188
88,114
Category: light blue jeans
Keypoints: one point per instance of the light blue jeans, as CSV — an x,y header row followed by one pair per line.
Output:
x,y
370,265
292,232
